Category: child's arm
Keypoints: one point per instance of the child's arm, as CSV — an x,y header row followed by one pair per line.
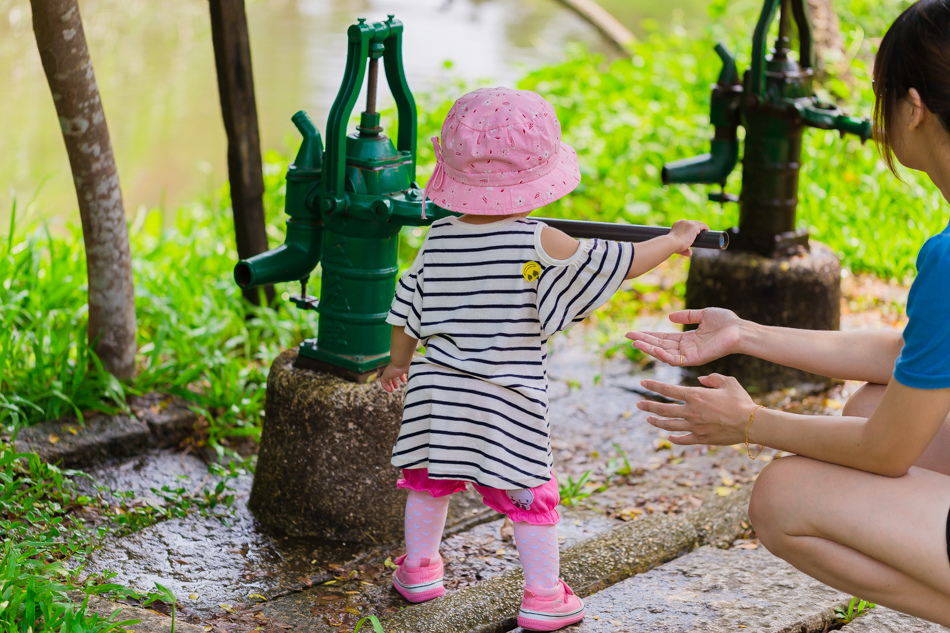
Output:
x,y
647,255
401,350
650,254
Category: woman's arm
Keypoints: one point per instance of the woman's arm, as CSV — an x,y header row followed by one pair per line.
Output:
x,y
887,443
866,355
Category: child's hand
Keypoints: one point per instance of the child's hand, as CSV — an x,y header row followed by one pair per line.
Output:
x,y
685,232
393,377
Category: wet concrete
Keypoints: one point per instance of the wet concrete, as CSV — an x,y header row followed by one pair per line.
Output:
x,y
228,560
217,566
628,549
715,591
883,620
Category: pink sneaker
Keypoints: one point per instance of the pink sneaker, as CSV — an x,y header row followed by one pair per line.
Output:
x,y
418,584
550,612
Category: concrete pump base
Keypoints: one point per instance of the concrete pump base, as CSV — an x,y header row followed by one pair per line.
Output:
x,y
323,468
803,291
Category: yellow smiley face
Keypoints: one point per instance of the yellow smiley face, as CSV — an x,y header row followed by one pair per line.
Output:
x,y
531,271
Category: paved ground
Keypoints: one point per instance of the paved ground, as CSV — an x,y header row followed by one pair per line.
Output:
x,y
229,576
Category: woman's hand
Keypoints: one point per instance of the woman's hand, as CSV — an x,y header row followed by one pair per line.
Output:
x,y
393,376
716,336
716,413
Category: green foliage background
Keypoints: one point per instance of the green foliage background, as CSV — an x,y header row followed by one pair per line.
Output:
x,y
626,118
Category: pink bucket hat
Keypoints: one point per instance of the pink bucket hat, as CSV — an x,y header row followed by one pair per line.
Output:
x,y
502,154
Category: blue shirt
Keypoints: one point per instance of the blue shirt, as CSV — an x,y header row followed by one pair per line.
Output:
x,y
924,361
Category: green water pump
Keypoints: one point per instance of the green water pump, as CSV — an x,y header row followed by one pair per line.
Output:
x,y
774,103
346,205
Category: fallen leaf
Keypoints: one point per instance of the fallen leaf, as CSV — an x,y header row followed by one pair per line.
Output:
x,y
352,610
305,581
256,595
53,438
507,529
748,546
72,430
329,582
723,491
227,608
728,481
389,564
193,596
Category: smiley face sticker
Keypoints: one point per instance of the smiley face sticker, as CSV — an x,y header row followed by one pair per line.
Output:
x,y
531,271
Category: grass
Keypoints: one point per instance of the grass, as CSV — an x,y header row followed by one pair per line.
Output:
x,y
855,608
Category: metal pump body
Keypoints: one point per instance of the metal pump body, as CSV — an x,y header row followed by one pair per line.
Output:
x,y
346,205
774,103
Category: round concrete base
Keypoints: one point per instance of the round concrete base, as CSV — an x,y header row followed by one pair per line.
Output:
x,y
803,291
323,467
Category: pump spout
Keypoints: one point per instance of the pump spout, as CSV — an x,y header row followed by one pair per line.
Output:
x,y
715,167
293,260
300,253
711,168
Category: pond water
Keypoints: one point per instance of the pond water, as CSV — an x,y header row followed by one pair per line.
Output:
x,y
155,69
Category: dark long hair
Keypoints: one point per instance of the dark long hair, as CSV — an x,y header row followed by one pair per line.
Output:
x,y
915,53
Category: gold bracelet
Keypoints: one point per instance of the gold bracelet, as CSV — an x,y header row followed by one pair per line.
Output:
x,y
761,446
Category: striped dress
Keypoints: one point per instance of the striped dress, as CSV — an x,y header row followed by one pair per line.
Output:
x,y
484,299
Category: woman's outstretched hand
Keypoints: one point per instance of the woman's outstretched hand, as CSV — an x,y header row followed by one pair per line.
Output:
x,y
716,336
716,413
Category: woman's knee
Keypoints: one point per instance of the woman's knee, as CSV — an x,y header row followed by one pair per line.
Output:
x,y
864,401
772,508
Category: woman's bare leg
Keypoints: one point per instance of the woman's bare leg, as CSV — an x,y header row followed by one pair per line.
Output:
x,y
936,457
880,538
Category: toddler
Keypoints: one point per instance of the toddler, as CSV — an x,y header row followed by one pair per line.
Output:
x,y
484,294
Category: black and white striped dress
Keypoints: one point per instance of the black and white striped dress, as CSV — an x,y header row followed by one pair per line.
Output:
x,y
484,299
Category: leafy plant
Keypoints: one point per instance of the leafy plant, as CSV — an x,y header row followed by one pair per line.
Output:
x,y
166,596
573,491
855,608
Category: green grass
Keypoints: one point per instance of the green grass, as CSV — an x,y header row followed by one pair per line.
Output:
x,y
197,336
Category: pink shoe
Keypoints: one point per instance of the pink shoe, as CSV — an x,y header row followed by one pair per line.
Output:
x,y
418,584
550,612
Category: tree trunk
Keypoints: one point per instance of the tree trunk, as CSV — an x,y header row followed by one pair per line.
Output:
x,y
232,56
62,45
828,39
